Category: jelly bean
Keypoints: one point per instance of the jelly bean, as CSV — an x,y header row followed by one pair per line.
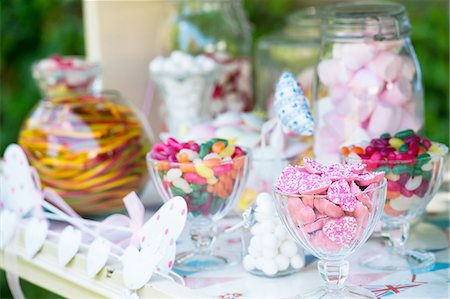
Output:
x,y
385,168
158,156
403,148
238,151
385,136
405,133
426,143
427,166
413,183
177,191
426,175
211,156
370,150
212,162
388,210
413,149
187,167
159,147
192,155
182,157
212,180
406,192
221,170
402,168
417,171
204,171
345,150
192,177
436,149
392,177
173,158
170,150
200,200
218,146
423,188
391,156
195,147
396,142
205,148
172,142
392,194
182,184
413,138
185,145
404,177
172,174
423,159
214,140
393,186
228,151
162,165
357,150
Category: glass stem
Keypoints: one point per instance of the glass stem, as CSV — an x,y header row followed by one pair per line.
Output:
x,y
203,235
396,236
334,273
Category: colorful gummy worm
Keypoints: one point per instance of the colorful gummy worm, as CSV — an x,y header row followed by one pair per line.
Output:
x,y
205,175
88,149
409,163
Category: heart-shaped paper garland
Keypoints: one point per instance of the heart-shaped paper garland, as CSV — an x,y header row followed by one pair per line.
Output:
x,y
35,236
8,225
97,256
68,245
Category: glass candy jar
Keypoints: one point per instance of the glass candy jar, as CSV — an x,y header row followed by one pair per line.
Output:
x,y
219,29
368,78
295,49
267,248
88,147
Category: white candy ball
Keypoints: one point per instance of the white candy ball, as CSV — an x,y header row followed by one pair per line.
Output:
x,y
256,229
264,199
280,232
262,216
297,261
249,262
270,241
259,263
256,242
269,253
269,267
254,252
267,226
282,262
288,248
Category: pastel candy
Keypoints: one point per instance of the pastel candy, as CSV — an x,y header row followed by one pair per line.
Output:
x,y
341,231
368,178
340,174
357,168
361,214
314,184
333,71
403,203
325,206
340,194
408,68
367,82
313,166
289,179
321,242
315,226
398,92
299,213
387,66
356,55
361,196
308,200
338,92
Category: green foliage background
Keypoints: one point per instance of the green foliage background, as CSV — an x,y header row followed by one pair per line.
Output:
x,y
32,29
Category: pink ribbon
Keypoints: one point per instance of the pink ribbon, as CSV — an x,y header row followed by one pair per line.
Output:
x,y
134,221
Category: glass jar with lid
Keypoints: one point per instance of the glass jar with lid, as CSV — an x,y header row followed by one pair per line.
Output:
x,y
295,49
88,146
368,78
220,30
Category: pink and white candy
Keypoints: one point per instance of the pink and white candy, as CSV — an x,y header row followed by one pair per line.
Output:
x,y
341,231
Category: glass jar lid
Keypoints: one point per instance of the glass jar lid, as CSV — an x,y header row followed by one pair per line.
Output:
x,y
366,20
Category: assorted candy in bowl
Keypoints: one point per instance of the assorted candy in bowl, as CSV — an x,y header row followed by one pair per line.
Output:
x,y
413,167
331,211
209,176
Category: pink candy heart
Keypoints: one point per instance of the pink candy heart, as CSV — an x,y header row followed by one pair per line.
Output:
x,y
313,184
357,168
364,198
289,179
314,167
368,178
339,193
340,174
341,231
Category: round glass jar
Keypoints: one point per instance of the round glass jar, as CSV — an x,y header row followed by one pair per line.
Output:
x,y
267,248
220,30
294,49
368,79
88,147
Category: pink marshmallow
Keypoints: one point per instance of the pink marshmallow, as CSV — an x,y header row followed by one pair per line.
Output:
x,y
387,66
354,56
410,121
393,46
366,82
321,242
385,118
308,200
315,226
408,70
300,214
398,92
333,71
337,92
361,214
325,206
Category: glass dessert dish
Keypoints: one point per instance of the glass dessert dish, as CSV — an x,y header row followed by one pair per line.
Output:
x,y
210,187
331,217
412,181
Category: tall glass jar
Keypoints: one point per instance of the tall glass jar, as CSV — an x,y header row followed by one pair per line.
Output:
x,y
294,49
368,78
87,146
219,29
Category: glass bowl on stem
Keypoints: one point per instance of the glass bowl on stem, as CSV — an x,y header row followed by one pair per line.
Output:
x,y
333,234
208,201
411,184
